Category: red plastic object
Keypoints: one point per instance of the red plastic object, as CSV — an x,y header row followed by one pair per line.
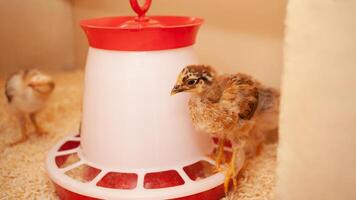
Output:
x,y
62,161
118,180
141,33
227,143
212,194
91,173
199,170
162,179
65,194
129,34
69,145
141,11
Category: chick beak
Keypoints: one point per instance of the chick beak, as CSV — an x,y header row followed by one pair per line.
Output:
x,y
177,89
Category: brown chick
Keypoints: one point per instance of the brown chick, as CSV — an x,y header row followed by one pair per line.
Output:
x,y
234,107
27,92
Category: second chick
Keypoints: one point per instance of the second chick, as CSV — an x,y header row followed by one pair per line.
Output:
x,y
27,93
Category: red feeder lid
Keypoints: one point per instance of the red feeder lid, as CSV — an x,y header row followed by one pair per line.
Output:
x,y
141,33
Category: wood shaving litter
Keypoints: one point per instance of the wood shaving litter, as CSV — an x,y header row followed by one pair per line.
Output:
x,y
22,171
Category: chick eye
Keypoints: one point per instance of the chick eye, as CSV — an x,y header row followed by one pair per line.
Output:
x,y
191,82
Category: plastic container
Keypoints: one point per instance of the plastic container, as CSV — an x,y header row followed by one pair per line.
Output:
x,y
136,141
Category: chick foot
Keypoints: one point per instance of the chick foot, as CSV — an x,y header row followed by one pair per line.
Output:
x,y
236,163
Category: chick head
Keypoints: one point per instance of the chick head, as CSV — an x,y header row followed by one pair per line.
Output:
x,y
39,81
194,79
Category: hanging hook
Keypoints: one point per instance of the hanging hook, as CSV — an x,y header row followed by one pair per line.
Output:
x,y
140,10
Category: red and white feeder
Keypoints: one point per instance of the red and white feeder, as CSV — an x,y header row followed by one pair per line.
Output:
x,y
137,142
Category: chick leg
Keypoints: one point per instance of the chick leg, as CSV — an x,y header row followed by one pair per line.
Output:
x,y
38,128
23,126
236,163
220,156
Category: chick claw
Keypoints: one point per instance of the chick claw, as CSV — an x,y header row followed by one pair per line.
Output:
x,y
230,174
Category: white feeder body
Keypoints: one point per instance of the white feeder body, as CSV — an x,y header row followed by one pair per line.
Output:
x,y
136,140
130,121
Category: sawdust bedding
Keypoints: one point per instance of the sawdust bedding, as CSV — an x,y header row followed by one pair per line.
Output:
x,y
22,171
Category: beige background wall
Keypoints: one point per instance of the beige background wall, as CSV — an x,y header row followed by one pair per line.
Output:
x,y
36,33
317,145
238,35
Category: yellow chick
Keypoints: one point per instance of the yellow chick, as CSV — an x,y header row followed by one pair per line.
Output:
x,y
234,107
27,92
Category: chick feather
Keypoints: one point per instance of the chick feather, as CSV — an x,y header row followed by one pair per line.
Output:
x,y
233,106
